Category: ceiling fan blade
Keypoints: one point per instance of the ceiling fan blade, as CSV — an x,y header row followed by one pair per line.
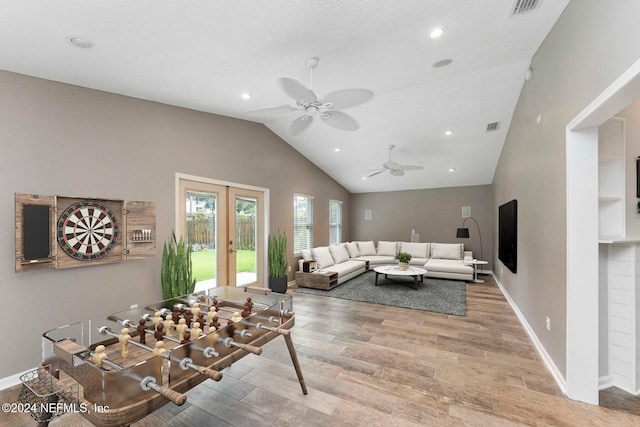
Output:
x,y
390,165
379,171
300,124
297,90
347,98
411,167
397,172
271,113
339,120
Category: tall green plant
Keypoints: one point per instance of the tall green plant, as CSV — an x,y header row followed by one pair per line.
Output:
x,y
176,274
278,254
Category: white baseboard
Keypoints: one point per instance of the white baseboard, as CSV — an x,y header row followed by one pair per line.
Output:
x,y
546,359
12,381
605,381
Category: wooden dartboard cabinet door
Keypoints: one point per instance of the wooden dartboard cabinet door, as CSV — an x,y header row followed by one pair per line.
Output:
x,y
141,230
36,249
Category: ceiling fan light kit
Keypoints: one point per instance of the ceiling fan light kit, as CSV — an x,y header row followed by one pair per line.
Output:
x,y
310,104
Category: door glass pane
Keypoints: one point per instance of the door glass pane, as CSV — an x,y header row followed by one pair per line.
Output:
x,y
201,235
246,227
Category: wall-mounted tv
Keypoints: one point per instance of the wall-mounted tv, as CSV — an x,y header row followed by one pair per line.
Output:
x,y
508,235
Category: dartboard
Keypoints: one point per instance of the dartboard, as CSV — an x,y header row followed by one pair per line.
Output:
x,y
87,230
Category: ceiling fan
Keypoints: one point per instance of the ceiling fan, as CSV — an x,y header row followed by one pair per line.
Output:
x,y
310,104
394,168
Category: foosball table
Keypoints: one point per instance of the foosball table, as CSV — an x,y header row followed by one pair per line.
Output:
x,y
118,368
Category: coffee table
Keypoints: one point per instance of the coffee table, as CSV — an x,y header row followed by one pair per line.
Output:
x,y
394,270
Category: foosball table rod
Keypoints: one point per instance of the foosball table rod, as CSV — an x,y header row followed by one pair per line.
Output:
x,y
185,363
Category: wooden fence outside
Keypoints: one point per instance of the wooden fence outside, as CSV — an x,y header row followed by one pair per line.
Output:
x,y
201,232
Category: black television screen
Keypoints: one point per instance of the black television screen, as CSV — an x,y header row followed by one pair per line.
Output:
x,y
508,234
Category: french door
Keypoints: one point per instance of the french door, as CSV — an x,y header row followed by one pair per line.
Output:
x,y
224,225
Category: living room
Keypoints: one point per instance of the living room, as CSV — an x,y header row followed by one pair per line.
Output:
x,y
51,131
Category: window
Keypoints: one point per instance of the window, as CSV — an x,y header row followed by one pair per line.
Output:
x,y
302,222
335,222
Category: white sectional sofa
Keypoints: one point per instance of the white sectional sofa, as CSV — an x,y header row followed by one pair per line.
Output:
x,y
441,260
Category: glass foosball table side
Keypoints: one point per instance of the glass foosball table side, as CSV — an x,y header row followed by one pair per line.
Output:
x,y
116,369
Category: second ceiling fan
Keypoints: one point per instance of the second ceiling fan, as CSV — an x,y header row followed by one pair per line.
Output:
x,y
393,168
309,104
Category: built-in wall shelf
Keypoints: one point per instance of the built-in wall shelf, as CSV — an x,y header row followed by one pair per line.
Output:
x,y
611,178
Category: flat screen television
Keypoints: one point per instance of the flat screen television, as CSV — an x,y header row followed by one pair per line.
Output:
x,y
508,235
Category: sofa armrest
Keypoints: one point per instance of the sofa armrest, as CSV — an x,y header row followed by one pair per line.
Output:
x,y
468,256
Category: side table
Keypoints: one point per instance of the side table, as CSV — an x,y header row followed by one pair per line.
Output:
x,y
475,263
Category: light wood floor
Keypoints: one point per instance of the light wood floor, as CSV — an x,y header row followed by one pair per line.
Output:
x,y
374,365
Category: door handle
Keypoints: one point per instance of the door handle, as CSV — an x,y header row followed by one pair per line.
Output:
x,y
231,250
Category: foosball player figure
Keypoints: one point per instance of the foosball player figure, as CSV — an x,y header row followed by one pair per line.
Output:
x,y
181,328
159,333
195,309
99,355
186,338
157,318
249,303
124,342
187,317
236,317
168,326
175,315
213,338
142,330
196,331
214,303
159,348
201,319
231,329
212,313
246,312
213,323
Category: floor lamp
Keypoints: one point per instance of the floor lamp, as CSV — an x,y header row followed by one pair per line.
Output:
x,y
463,233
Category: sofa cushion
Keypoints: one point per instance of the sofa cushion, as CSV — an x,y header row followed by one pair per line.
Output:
x,y
347,267
352,248
377,259
339,253
367,248
387,248
448,265
416,250
447,250
306,254
322,256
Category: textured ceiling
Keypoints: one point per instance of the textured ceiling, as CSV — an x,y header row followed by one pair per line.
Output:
x,y
204,54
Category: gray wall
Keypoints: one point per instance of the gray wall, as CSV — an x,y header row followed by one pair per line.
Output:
x,y
57,139
433,213
590,46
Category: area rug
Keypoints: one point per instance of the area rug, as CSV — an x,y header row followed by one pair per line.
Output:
x,y
437,295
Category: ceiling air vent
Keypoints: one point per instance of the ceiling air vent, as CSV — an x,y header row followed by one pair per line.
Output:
x,y
523,6
492,126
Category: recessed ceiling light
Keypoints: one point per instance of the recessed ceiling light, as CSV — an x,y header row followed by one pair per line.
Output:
x,y
452,170
80,42
364,177
442,63
246,96
437,32
449,132
337,150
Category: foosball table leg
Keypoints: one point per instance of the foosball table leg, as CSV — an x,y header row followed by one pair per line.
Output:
x,y
296,364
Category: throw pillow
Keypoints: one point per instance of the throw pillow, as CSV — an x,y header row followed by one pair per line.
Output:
x,y
306,254
447,250
387,248
322,256
339,253
367,248
352,248
416,250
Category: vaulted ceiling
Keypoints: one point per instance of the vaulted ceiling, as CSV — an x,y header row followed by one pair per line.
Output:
x,y
204,55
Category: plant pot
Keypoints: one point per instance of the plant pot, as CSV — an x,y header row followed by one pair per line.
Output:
x,y
278,284
404,266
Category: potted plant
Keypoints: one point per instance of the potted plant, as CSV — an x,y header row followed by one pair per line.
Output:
x,y
403,258
176,275
277,257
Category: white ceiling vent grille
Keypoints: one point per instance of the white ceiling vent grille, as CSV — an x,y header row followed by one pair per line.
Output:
x,y
524,6
492,126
